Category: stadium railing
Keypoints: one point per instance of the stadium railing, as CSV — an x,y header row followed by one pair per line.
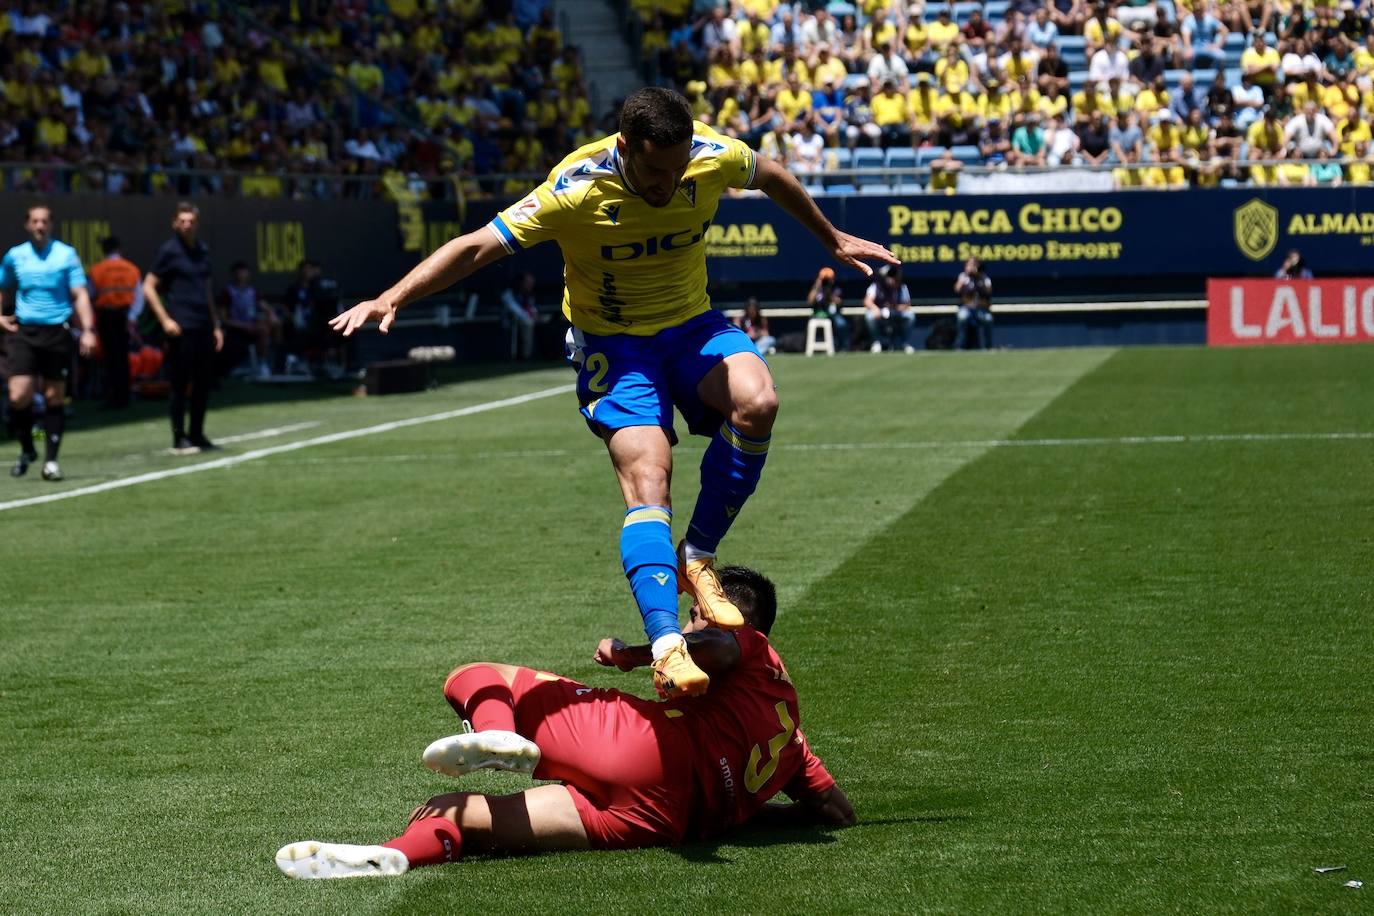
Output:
x,y
61,178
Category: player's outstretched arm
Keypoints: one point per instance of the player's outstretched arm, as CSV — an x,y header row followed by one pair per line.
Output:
x,y
456,260
831,808
714,651
787,192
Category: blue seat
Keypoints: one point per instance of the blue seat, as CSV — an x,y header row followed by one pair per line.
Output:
x,y
909,187
875,190
1232,76
840,190
868,158
840,9
815,190
901,157
1075,60
1236,41
1065,42
995,11
969,155
842,156
928,154
854,81
1077,80
1204,77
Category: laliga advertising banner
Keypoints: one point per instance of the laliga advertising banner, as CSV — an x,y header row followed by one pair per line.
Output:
x,y
1251,312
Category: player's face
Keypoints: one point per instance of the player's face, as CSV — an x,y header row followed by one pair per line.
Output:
x,y
39,224
656,172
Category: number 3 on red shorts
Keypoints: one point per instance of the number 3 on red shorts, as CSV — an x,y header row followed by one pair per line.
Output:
x,y
754,777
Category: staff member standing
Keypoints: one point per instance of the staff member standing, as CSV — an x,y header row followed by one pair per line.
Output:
x,y
181,272
40,280
115,284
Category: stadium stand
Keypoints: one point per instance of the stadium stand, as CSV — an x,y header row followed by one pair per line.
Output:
x,y
437,98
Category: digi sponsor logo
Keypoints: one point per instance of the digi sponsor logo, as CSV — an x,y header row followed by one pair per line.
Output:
x,y
673,241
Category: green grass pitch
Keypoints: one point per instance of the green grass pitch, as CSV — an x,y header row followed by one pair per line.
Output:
x,y
1082,630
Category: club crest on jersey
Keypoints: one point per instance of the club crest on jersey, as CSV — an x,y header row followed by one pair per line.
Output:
x,y
612,212
689,190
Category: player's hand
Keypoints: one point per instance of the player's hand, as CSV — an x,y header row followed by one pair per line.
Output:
x,y
171,328
219,339
9,324
853,251
380,310
87,344
611,653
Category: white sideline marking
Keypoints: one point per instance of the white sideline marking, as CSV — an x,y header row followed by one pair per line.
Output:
x,y
269,433
881,446
231,460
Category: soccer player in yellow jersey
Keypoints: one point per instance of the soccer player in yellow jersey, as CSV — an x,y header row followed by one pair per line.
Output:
x,y
631,212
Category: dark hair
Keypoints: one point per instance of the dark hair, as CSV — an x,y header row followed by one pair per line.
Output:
x,y
753,593
657,116
110,244
41,205
185,206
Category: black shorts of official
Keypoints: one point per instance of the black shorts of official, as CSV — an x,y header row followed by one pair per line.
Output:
x,y
42,349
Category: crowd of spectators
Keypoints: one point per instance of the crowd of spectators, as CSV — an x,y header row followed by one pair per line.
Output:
x,y
1162,91
403,94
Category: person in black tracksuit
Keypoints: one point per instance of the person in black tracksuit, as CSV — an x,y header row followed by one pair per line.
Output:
x,y
178,290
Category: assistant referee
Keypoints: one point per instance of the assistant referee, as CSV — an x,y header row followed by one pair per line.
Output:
x,y
40,280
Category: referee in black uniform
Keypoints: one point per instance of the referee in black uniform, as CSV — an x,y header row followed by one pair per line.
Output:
x,y
177,288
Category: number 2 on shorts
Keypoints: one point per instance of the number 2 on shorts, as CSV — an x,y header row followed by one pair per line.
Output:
x,y
754,777
598,366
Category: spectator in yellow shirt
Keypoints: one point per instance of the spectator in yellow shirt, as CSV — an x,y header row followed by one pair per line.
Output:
x,y
1153,98
365,73
1261,62
827,66
754,35
1266,140
1100,30
921,104
724,72
272,70
943,32
891,115
952,72
793,103
879,32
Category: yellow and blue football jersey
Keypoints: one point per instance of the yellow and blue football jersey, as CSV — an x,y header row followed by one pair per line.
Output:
x,y
629,268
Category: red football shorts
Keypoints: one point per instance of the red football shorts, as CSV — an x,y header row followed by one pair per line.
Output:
x,y
625,762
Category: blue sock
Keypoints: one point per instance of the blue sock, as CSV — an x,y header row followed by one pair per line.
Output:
x,y
730,471
646,552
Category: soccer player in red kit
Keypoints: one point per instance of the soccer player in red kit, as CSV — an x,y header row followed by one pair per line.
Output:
x,y
633,772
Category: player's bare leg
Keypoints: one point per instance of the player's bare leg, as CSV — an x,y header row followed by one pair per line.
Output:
x,y
643,461
740,389
542,819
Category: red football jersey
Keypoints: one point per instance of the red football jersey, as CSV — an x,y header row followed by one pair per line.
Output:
x,y
748,741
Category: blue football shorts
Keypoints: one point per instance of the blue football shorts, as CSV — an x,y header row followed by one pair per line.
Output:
x,y
631,380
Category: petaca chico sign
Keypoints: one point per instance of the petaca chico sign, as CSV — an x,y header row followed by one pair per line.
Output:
x,y
1250,312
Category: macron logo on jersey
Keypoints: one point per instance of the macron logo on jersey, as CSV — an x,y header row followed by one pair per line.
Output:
x,y
612,212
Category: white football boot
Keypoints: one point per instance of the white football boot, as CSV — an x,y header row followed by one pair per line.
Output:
x,y
494,749
311,859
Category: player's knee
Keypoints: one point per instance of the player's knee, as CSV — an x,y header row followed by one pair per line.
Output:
x,y
754,414
650,481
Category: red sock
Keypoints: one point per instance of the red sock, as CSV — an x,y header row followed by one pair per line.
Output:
x,y
429,841
482,695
